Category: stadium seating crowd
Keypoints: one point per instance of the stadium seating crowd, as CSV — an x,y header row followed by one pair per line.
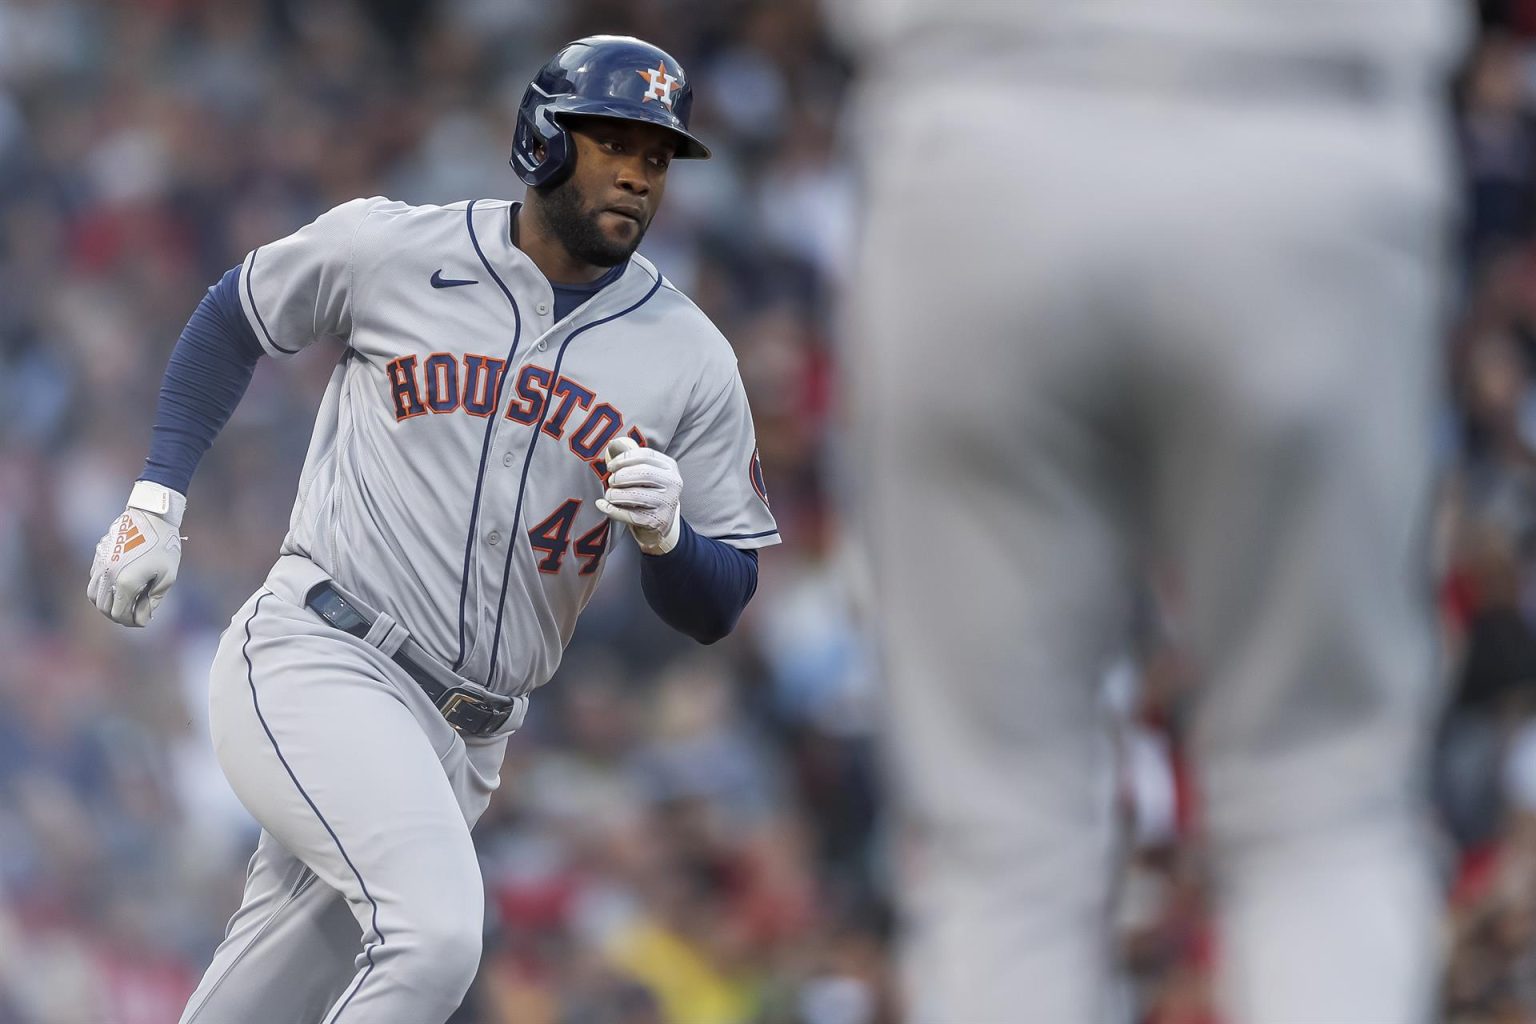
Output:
x,y
684,835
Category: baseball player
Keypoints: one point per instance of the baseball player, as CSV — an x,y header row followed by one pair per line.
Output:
x,y
1155,283
517,385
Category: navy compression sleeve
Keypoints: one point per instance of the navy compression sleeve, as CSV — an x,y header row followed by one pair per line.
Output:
x,y
209,370
700,587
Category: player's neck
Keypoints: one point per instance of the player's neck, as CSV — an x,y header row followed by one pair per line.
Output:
x,y
548,253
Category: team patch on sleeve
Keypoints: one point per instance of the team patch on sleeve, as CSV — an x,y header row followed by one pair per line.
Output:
x,y
755,471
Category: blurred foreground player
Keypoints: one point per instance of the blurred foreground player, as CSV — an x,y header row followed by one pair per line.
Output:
x,y
1156,283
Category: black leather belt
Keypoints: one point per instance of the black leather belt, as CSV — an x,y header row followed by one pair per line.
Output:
x,y
463,709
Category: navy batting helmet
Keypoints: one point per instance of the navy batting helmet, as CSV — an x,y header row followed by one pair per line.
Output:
x,y
599,76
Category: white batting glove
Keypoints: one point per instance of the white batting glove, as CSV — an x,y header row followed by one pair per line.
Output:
x,y
136,562
644,492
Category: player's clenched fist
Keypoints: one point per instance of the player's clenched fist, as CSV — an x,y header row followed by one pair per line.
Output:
x,y
136,561
644,492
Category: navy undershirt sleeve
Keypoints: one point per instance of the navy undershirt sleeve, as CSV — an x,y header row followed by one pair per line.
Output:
x,y
700,587
209,370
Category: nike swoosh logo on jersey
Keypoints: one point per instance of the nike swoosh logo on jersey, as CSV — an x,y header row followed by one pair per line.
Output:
x,y
439,281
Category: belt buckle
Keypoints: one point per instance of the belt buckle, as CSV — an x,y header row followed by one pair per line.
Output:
x,y
458,698
454,699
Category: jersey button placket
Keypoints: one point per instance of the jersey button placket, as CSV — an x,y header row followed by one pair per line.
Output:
x,y
493,538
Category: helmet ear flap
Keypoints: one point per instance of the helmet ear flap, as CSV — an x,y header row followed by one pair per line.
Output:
x,y
537,128
559,157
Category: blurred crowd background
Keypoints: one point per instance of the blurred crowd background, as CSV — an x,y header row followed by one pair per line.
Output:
x,y
683,835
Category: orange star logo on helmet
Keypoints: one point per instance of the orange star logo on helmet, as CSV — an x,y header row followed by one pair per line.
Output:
x,y
662,84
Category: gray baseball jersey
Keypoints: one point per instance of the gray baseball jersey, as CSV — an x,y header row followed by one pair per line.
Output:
x,y
458,451
450,485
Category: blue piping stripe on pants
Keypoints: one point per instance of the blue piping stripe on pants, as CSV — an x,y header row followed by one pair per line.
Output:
x,y
250,678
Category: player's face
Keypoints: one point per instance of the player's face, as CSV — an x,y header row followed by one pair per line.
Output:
x,y
601,212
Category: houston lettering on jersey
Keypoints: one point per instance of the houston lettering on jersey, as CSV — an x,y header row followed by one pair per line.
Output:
x,y
562,407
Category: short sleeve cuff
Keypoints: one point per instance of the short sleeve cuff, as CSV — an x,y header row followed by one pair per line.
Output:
x,y
252,311
747,541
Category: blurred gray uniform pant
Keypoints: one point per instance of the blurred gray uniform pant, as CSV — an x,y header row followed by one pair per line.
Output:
x,y
364,901
1085,318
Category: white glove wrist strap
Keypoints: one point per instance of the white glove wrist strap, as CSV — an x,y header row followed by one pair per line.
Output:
x,y
667,542
674,533
158,499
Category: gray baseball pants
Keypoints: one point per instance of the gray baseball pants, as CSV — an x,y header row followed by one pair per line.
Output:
x,y
364,900
1097,328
